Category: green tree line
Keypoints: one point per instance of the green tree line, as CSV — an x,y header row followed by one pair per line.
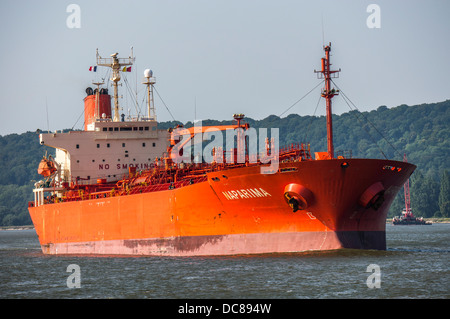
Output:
x,y
420,131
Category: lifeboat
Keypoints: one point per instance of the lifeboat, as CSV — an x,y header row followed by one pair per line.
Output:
x,y
46,167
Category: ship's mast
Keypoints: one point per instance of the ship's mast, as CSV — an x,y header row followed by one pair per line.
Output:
x,y
116,65
150,81
328,93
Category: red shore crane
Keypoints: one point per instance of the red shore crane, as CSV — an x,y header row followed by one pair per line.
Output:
x,y
407,211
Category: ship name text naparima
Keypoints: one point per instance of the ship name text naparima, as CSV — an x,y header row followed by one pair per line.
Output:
x,y
245,193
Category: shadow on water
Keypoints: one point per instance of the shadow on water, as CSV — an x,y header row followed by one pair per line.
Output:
x,y
326,254
418,250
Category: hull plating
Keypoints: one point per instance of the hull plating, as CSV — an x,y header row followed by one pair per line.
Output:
x,y
236,211
237,244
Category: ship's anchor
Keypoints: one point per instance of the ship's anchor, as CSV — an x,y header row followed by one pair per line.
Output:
x,y
293,202
298,197
373,196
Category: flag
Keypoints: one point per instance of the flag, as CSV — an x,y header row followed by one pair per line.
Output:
x,y
93,68
125,69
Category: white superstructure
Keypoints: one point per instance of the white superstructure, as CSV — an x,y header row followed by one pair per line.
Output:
x,y
107,152
108,146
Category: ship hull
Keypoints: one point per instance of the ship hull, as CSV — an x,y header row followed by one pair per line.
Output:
x,y
235,211
213,245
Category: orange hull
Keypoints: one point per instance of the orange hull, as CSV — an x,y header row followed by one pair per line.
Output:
x,y
236,211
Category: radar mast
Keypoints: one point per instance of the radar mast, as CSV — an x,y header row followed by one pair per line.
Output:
x,y
116,64
150,81
328,93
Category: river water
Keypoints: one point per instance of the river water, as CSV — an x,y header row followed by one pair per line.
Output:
x,y
415,265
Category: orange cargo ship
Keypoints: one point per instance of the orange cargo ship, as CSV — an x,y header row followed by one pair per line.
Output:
x,y
171,204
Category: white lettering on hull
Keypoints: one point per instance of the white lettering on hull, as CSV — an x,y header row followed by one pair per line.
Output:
x,y
245,193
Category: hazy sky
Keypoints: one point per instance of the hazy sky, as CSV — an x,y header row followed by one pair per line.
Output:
x,y
219,57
